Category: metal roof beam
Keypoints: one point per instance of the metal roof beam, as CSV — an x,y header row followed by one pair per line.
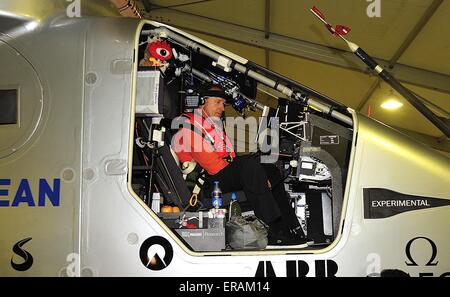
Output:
x,y
415,31
267,31
295,47
369,94
267,20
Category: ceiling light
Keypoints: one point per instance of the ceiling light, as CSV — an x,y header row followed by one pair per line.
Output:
x,y
391,104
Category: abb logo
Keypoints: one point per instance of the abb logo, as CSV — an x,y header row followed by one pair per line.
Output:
x,y
299,268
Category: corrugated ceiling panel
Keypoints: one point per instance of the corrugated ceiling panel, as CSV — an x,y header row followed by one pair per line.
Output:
x,y
249,13
380,36
431,48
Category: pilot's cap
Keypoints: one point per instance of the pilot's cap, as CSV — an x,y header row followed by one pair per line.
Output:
x,y
214,90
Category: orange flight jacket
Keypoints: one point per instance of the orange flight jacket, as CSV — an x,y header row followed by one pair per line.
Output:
x,y
203,141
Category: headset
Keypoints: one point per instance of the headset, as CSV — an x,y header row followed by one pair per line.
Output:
x,y
196,98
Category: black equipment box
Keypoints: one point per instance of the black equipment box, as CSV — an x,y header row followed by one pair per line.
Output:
x,y
319,223
199,231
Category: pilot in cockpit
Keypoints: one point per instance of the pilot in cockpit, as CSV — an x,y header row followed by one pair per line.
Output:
x,y
203,139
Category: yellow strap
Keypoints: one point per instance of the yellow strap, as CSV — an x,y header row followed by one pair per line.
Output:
x,y
193,200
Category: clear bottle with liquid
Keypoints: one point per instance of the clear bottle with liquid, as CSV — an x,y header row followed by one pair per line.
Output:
x,y
235,208
216,195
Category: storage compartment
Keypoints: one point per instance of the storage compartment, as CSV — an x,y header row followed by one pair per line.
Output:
x,y
149,99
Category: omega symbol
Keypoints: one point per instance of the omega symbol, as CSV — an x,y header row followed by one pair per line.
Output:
x,y
410,258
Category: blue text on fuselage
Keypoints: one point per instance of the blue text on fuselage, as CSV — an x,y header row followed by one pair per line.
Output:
x,y
24,195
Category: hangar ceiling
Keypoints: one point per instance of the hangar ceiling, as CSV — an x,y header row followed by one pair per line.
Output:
x,y
409,37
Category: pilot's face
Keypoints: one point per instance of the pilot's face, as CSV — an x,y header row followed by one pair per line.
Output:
x,y
214,106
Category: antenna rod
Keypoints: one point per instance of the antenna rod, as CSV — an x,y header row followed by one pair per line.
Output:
x,y
383,73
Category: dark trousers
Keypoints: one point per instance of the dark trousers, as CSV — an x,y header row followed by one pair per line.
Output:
x,y
247,174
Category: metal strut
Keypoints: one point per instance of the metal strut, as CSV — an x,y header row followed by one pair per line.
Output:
x,y
227,63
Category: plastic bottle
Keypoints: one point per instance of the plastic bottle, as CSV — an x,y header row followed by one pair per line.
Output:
x,y
216,196
235,208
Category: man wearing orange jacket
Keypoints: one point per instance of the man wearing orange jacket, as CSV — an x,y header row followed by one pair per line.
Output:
x,y
203,139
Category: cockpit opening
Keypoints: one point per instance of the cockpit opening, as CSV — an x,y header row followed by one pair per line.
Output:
x,y
306,135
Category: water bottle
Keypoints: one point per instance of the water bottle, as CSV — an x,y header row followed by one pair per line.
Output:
x,y
216,195
235,208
